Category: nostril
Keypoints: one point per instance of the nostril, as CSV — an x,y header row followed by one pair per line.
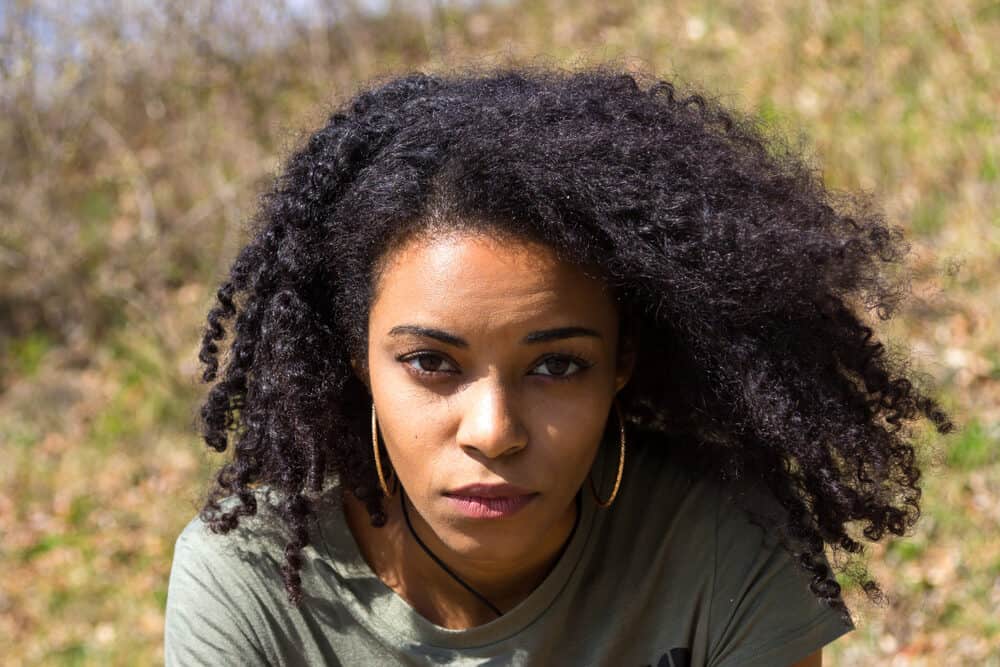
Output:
x,y
491,422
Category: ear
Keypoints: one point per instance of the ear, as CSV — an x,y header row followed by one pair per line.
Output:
x,y
628,352
361,372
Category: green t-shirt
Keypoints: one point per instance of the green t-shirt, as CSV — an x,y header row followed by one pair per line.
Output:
x,y
672,575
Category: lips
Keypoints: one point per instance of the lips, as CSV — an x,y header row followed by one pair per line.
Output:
x,y
489,508
489,501
489,491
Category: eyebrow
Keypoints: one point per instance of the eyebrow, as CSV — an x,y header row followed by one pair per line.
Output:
x,y
542,336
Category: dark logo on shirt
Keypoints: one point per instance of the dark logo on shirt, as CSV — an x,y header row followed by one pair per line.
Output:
x,y
675,657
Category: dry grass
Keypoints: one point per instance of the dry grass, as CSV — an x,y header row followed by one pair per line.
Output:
x,y
130,164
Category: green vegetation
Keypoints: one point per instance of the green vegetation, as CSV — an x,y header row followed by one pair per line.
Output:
x,y
974,448
25,354
136,138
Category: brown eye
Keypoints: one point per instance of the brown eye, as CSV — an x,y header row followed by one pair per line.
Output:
x,y
557,366
428,363
561,366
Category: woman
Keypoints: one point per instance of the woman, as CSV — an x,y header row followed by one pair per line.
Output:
x,y
534,367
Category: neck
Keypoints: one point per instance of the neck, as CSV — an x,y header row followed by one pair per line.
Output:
x,y
396,557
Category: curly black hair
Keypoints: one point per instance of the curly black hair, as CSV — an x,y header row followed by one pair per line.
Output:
x,y
746,277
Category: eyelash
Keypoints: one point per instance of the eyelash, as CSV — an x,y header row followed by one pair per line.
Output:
x,y
572,358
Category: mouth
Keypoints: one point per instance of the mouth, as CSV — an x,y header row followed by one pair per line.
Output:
x,y
502,490
498,507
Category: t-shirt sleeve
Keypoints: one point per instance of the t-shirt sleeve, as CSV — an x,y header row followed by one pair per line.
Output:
x,y
206,622
762,610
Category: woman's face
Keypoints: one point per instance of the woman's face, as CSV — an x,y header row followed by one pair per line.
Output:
x,y
492,362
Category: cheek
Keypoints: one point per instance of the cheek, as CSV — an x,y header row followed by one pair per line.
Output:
x,y
570,430
577,417
412,431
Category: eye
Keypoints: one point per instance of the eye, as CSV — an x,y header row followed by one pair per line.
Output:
x,y
428,363
556,366
562,366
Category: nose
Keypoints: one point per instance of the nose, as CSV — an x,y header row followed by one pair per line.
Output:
x,y
490,423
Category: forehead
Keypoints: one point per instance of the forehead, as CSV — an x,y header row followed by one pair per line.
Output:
x,y
473,279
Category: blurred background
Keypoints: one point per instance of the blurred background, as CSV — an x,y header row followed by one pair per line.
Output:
x,y
136,136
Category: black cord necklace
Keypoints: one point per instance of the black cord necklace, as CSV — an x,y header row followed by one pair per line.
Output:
x,y
482,598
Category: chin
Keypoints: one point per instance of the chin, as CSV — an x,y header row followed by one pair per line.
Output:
x,y
486,539
504,547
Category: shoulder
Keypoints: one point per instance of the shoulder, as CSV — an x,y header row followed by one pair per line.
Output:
x,y
223,589
763,609
247,556
720,544
254,541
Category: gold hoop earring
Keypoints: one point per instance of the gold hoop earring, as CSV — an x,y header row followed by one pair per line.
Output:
x,y
378,459
621,463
